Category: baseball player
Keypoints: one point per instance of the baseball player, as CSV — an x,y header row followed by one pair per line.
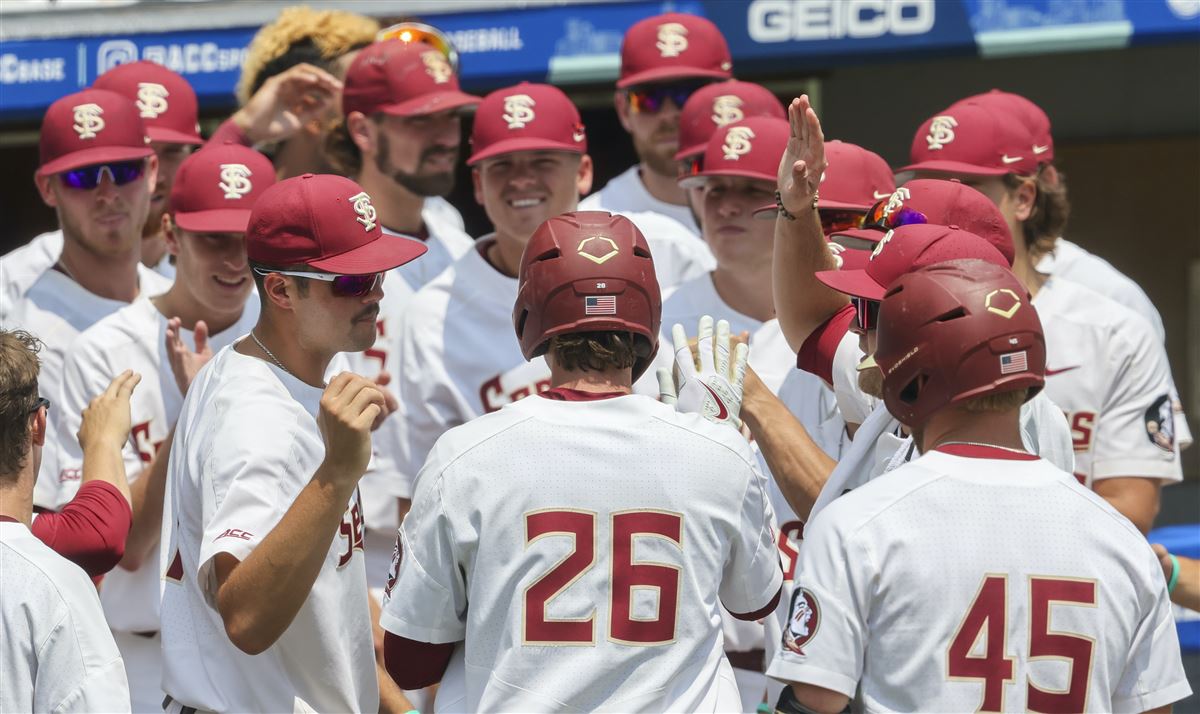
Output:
x,y
664,59
710,108
1106,400
207,306
98,173
167,104
57,653
264,604
529,163
1031,592
399,139
606,594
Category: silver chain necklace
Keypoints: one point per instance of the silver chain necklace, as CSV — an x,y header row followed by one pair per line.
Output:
x,y
976,443
270,354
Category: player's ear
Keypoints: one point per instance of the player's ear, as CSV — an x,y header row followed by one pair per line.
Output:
x,y
621,101
361,130
1024,198
170,235
37,434
45,190
477,183
583,177
152,172
276,287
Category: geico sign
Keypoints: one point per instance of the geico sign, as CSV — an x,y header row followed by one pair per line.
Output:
x,y
783,20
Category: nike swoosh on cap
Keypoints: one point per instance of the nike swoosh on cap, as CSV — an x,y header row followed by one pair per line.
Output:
x,y
880,196
1040,149
1052,372
722,413
1010,159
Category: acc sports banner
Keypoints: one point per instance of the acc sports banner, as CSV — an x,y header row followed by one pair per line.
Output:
x,y
579,43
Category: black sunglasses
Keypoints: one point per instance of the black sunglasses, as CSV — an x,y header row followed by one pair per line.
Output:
x,y
41,402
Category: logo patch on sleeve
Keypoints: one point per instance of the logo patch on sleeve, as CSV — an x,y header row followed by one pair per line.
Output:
x,y
804,617
1160,423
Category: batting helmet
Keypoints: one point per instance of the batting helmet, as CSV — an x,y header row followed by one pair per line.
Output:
x,y
588,271
954,331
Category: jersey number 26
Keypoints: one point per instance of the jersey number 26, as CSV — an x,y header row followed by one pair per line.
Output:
x,y
627,576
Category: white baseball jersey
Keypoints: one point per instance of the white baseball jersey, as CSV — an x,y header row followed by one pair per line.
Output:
x,y
133,337
770,355
446,243
56,309
678,256
246,444
625,192
57,652
611,556
1108,372
21,267
984,580
1072,262
165,268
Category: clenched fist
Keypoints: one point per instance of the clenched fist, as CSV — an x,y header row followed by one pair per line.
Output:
x,y
349,408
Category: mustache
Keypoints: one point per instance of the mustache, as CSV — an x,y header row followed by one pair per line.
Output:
x,y
438,152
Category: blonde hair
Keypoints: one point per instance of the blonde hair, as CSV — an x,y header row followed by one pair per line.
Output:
x,y
332,33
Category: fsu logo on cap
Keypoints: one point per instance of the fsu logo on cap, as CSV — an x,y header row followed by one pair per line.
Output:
x,y
87,120
804,617
941,132
437,66
737,142
364,209
727,109
151,99
896,200
518,110
879,246
235,180
672,39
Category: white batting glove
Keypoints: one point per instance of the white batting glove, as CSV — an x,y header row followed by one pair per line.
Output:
x,y
715,391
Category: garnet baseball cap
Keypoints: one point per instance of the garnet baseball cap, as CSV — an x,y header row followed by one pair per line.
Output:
x,y
402,79
905,249
1028,113
973,140
526,117
326,222
749,148
91,127
854,179
216,187
672,46
721,104
165,100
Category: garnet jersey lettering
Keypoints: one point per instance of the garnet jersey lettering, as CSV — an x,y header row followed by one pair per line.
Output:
x,y
611,556
1107,371
515,384
246,444
57,651
1028,592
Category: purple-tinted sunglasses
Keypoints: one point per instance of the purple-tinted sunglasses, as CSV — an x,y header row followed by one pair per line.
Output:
x,y
88,177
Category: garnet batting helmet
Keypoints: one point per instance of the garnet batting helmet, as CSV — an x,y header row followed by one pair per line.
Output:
x,y
589,271
954,331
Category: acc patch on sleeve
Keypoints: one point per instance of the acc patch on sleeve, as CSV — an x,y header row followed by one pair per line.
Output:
x,y
804,618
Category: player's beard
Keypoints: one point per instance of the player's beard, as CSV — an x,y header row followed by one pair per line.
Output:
x,y
871,382
436,184
659,158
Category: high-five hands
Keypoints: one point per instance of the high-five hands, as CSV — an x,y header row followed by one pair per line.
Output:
x,y
185,362
715,390
803,162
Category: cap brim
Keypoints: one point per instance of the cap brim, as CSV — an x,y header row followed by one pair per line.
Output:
x,y
217,220
852,282
664,74
854,259
91,157
697,180
431,104
173,136
767,212
383,253
858,238
509,146
952,167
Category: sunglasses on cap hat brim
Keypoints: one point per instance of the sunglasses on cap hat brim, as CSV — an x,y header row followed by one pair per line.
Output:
x,y
412,32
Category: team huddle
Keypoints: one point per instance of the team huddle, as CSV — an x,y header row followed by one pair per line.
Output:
x,y
761,425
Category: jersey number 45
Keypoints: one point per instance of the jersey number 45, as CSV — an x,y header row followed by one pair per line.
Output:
x,y
627,576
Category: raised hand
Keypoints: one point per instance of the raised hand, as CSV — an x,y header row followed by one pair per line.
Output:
x,y
288,101
349,407
803,161
106,420
186,363
714,390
